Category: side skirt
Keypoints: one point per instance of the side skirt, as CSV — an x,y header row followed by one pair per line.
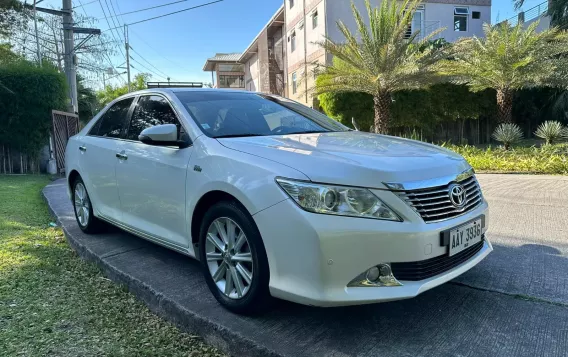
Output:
x,y
150,237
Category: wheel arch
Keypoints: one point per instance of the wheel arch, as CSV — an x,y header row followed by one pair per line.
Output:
x,y
203,204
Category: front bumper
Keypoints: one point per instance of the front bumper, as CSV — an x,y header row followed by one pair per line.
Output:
x,y
313,257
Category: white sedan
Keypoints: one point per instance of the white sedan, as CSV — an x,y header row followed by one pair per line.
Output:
x,y
276,199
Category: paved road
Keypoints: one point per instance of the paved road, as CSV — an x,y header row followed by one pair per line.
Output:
x,y
515,303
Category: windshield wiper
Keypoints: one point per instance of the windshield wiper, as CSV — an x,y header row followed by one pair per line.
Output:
x,y
236,135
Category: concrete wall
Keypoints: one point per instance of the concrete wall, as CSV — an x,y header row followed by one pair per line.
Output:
x,y
435,10
543,25
251,74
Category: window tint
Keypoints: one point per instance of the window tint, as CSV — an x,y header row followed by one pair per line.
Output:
x,y
241,114
150,111
111,123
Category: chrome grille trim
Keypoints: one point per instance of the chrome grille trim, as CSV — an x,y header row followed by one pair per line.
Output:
x,y
433,204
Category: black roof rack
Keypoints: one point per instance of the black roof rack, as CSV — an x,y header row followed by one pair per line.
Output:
x,y
174,84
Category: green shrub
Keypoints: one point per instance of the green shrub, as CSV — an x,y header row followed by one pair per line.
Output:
x,y
28,94
549,159
551,132
508,134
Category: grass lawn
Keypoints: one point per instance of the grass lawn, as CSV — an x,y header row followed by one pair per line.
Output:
x,y
54,304
551,159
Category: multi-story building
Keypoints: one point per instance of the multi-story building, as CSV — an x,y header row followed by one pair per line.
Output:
x,y
283,58
226,71
308,21
265,58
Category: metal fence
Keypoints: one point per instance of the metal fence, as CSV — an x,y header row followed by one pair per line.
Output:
x,y
529,15
65,125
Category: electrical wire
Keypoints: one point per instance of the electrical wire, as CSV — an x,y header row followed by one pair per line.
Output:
x,y
168,14
149,8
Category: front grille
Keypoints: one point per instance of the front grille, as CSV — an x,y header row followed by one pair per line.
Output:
x,y
415,271
433,204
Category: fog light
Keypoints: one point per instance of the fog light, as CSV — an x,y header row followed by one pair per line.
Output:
x,y
377,276
373,274
384,270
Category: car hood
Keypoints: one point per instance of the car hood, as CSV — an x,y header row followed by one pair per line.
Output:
x,y
354,158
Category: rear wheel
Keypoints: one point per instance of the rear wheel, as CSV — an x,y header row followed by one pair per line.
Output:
x,y
233,259
84,209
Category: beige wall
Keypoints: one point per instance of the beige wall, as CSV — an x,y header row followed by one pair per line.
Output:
x,y
251,74
300,62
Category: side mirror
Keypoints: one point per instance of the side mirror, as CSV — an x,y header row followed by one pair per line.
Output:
x,y
163,135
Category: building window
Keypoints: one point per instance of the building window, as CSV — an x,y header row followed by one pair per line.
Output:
x,y
294,83
291,4
315,19
231,68
231,81
460,19
293,42
476,15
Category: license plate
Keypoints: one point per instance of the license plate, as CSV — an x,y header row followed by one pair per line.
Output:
x,y
465,236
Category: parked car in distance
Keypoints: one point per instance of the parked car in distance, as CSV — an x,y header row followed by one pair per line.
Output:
x,y
276,199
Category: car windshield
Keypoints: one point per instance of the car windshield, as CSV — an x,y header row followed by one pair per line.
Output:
x,y
221,114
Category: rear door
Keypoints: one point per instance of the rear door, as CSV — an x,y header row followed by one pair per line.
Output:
x,y
98,159
152,179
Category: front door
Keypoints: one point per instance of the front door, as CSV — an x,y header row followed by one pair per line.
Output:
x,y
152,179
98,160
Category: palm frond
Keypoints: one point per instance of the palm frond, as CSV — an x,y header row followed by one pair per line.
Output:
x,y
379,56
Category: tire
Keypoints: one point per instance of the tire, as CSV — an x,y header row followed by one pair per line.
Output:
x,y
83,208
247,297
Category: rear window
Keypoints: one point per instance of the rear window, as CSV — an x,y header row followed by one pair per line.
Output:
x,y
113,120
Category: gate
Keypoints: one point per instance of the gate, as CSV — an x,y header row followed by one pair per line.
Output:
x,y
65,125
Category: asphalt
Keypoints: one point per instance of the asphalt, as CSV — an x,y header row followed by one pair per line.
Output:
x,y
514,303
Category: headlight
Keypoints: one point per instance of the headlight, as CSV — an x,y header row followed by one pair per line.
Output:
x,y
337,200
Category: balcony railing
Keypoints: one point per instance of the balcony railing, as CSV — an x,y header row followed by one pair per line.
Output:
x,y
529,15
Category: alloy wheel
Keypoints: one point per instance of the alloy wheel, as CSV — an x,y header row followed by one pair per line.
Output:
x,y
82,204
229,258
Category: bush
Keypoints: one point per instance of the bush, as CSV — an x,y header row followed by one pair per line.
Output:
x,y
551,132
508,134
550,159
28,94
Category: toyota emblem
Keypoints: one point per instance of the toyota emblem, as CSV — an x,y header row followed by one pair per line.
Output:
x,y
458,195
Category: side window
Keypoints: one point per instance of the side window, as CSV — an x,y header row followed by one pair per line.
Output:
x,y
150,111
111,123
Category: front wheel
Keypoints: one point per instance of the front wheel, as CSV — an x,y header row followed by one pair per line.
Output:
x,y
233,259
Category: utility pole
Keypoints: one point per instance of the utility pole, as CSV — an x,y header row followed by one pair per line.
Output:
x,y
127,54
36,35
69,53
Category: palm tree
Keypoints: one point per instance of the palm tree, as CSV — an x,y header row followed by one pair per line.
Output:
x,y
388,58
508,59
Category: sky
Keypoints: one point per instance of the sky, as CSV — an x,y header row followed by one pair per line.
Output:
x,y
178,45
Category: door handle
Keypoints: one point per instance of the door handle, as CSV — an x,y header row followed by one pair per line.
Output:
x,y
83,148
122,156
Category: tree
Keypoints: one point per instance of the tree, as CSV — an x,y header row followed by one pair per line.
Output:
x,y
87,101
508,59
385,61
12,16
110,93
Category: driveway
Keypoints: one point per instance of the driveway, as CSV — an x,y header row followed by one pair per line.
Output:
x,y
515,303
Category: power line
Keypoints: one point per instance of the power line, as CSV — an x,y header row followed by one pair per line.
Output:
x,y
145,60
150,8
157,74
155,50
114,28
171,13
81,5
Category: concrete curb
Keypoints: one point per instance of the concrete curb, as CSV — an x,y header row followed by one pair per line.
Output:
x,y
227,340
